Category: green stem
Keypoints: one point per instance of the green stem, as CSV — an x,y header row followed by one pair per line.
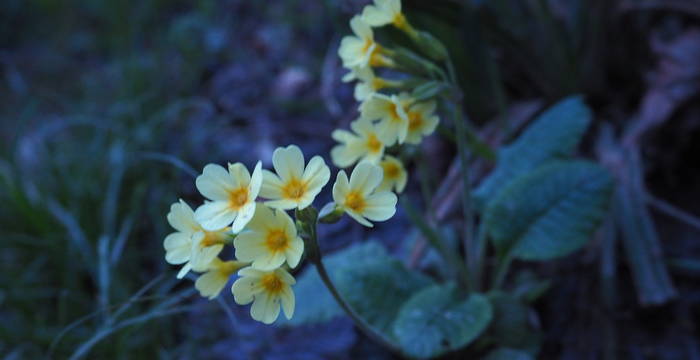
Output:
x,y
501,272
436,242
478,257
467,212
366,328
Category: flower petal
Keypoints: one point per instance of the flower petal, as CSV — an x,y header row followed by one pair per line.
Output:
x,y
210,284
240,177
294,252
245,214
288,301
380,206
214,183
288,162
271,186
341,187
177,248
359,218
181,218
366,177
214,215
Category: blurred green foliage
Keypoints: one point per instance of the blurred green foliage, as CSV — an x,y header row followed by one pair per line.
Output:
x,y
96,94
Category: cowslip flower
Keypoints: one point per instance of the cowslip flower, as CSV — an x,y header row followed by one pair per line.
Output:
x,y
206,246
385,12
179,245
361,50
269,240
391,111
368,83
216,276
358,198
421,121
266,290
362,143
294,186
232,194
395,176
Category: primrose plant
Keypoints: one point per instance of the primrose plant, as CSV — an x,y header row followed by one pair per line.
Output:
x,y
538,203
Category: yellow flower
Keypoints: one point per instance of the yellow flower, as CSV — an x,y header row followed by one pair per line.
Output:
x,y
206,246
266,290
216,276
361,50
394,175
368,83
293,186
385,12
358,198
232,194
391,111
421,121
178,244
363,143
191,245
269,240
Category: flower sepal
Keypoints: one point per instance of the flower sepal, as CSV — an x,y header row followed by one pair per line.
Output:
x,y
330,213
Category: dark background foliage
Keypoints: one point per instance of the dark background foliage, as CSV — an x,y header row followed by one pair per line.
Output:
x,y
108,106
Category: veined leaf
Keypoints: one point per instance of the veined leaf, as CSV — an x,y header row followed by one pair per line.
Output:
x,y
550,212
437,320
553,135
374,283
511,326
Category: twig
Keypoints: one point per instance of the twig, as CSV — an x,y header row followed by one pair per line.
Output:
x,y
672,211
366,328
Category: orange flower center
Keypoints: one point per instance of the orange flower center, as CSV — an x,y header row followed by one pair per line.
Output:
x,y
238,197
276,240
415,121
294,189
272,284
373,143
355,201
391,170
211,238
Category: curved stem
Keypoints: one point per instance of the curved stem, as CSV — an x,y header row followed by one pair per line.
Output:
x,y
501,272
359,321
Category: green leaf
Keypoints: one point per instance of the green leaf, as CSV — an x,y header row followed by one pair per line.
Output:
x,y
550,212
437,320
507,354
374,283
554,134
511,327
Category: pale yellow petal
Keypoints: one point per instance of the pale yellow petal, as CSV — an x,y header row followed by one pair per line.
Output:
x,y
245,214
255,182
210,284
177,246
366,177
214,183
240,177
214,215
288,162
359,218
271,186
341,187
181,218
288,301
380,206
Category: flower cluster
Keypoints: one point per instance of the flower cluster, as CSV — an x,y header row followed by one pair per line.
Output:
x,y
249,212
389,115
